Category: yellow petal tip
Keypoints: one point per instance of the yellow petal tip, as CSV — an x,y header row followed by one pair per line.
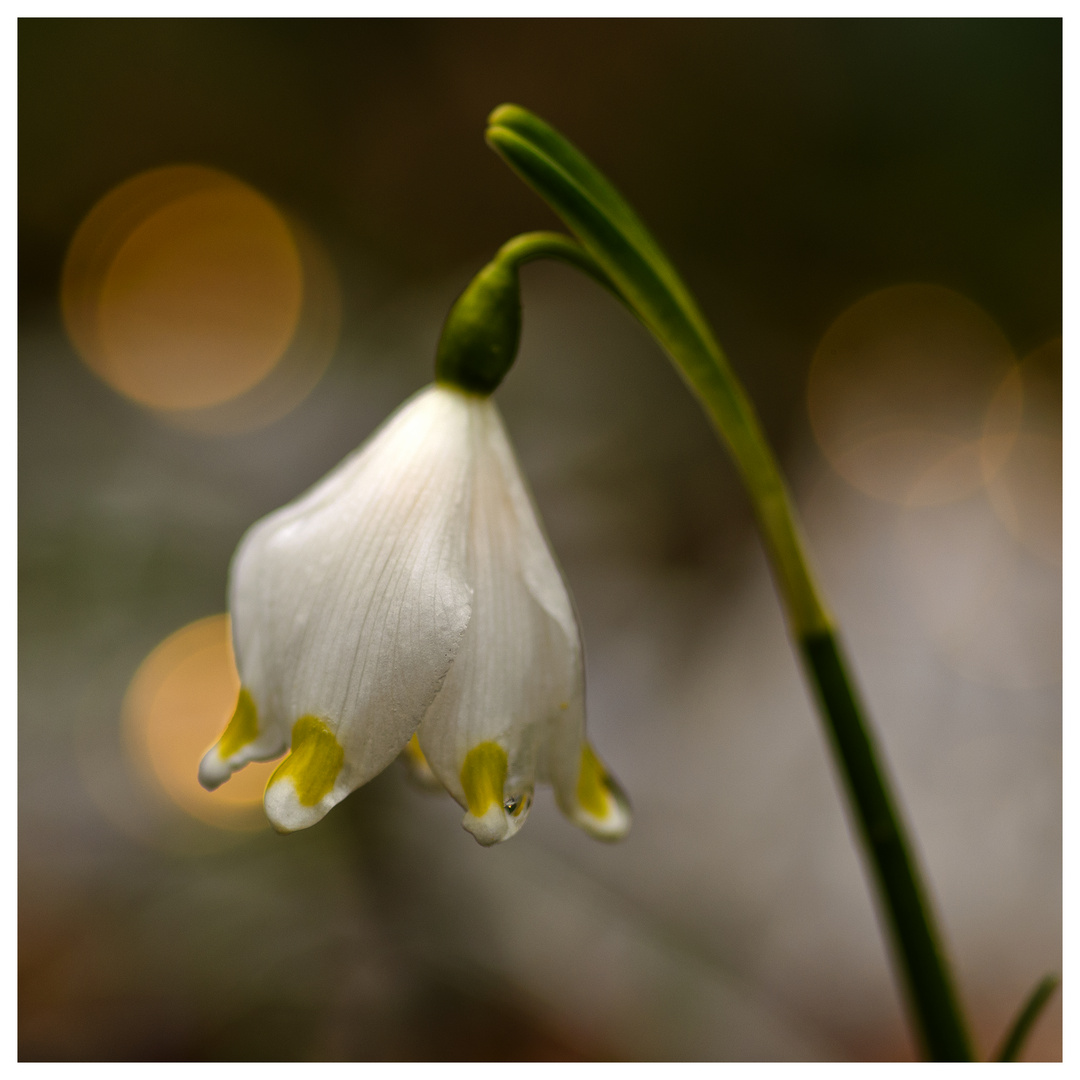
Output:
x,y
491,815
483,777
298,793
602,808
242,730
417,767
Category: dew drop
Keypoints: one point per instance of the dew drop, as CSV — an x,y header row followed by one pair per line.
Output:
x,y
515,804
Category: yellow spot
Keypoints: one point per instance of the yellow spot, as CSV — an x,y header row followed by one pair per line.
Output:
x,y
419,769
314,763
414,754
593,784
564,705
243,727
483,776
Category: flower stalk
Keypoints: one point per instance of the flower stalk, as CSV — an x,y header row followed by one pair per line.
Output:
x,y
617,249
480,337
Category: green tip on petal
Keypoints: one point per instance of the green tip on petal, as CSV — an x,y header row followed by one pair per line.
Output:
x,y
297,793
602,809
417,767
243,729
483,777
491,816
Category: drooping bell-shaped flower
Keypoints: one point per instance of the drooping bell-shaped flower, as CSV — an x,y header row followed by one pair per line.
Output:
x,y
409,602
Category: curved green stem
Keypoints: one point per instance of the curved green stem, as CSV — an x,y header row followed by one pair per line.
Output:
x,y
620,244
639,273
552,245
1017,1035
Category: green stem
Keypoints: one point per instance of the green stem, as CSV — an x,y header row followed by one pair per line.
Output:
x,y
649,285
907,912
1014,1041
552,245
639,273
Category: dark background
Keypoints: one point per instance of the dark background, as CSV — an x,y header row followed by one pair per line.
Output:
x,y
789,168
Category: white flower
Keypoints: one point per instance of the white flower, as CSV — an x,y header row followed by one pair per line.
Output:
x,y
412,591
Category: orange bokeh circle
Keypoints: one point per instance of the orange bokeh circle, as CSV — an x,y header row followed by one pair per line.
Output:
x,y
898,391
182,288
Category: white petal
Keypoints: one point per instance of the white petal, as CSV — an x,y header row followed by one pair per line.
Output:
x,y
517,684
585,790
349,605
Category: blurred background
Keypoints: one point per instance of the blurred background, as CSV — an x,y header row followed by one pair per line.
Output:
x,y
237,241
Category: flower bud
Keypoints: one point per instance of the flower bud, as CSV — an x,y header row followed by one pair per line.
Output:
x,y
480,338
